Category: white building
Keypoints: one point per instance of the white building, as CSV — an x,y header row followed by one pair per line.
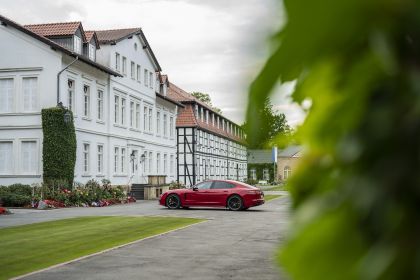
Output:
x,y
210,146
119,104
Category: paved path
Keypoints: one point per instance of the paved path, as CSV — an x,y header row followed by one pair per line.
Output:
x,y
230,245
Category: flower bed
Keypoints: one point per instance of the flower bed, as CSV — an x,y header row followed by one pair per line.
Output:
x,y
58,194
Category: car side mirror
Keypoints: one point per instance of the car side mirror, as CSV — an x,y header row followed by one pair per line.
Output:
x,y
195,188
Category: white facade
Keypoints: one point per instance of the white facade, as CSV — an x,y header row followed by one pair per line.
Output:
x,y
107,130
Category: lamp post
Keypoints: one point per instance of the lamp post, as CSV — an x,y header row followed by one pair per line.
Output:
x,y
132,157
67,117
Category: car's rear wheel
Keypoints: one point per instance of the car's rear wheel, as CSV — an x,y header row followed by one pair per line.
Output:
x,y
173,201
235,203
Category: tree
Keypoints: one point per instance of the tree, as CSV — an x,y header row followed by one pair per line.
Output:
x,y
205,97
272,125
356,198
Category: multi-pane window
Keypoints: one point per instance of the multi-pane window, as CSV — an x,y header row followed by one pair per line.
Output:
x,y
145,118
150,162
100,104
165,163
70,95
116,159
171,127
77,44
91,52
165,125
157,163
150,120
117,62
146,77
30,94
151,79
266,174
122,160
138,73
132,114
100,159
172,164
124,65
116,109
137,116
6,95
158,123
86,101
122,111
86,155
133,70
287,172
6,157
29,157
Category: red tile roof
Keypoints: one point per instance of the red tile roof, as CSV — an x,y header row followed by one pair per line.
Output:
x,y
54,29
89,35
187,117
109,36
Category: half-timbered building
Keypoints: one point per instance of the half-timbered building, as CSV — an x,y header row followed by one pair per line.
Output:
x,y
210,146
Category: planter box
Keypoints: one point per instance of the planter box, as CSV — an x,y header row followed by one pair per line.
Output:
x,y
157,180
153,192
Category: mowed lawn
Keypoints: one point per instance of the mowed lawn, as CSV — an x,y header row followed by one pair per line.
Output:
x,y
32,247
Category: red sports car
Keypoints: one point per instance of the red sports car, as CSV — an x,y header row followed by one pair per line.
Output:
x,y
216,193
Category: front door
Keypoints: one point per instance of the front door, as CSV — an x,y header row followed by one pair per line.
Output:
x,y
134,167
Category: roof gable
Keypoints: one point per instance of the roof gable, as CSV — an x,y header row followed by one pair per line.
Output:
x,y
113,36
58,29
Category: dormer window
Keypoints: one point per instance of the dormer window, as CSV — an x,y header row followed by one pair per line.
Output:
x,y
77,44
91,52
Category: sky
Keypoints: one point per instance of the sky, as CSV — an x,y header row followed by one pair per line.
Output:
x,y
211,46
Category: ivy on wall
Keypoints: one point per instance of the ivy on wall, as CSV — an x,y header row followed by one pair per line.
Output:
x,y
259,167
59,145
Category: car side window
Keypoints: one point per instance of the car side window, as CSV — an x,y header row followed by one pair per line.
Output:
x,y
204,185
222,185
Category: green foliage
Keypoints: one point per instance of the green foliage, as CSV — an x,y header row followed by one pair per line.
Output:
x,y
205,97
356,193
16,195
259,167
272,125
59,145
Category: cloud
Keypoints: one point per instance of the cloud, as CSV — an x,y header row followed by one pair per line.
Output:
x,y
213,46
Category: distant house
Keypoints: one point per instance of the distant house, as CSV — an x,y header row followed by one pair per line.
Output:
x,y
287,160
261,165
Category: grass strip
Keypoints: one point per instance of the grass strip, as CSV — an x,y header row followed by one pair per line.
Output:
x,y
28,248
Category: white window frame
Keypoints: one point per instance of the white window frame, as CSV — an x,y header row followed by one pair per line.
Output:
x,y
116,159
11,97
165,163
71,92
138,114
124,66
86,101
100,159
157,122
34,104
132,114
86,158
133,70
11,160
117,62
151,79
123,160
145,119
77,44
123,111
157,163
36,156
138,73
165,125
150,119
100,105
146,77
92,52
171,127
117,109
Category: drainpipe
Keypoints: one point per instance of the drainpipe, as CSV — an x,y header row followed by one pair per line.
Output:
x,y
58,81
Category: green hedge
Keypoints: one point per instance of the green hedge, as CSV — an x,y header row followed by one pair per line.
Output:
x,y
16,195
59,145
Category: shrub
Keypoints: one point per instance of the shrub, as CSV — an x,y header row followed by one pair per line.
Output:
x,y
15,200
20,189
59,146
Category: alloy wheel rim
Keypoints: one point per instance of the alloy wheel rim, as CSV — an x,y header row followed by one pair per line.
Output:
x,y
172,202
234,203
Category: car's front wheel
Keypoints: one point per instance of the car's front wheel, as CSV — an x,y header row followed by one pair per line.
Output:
x,y
173,201
235,203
